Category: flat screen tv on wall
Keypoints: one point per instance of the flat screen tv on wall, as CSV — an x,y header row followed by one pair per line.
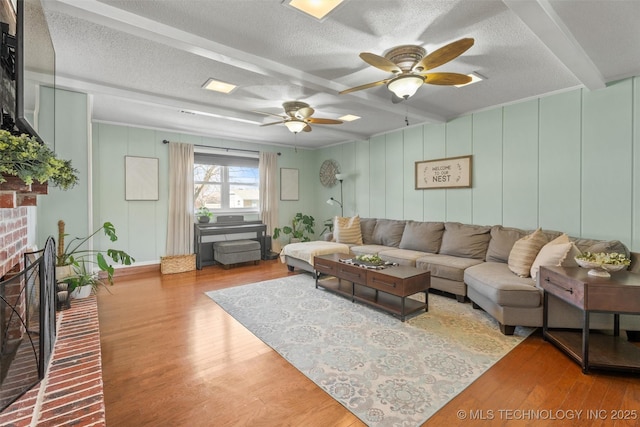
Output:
x,y
33,69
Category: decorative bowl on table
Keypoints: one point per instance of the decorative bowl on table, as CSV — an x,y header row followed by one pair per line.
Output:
x,y
370,260
602,264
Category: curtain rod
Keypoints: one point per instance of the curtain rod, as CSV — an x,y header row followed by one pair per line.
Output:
x,y
166,141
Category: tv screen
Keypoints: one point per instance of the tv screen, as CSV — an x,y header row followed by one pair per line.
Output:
x,y
35,69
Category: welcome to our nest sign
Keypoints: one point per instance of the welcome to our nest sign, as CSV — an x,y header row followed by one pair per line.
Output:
x,y
451,172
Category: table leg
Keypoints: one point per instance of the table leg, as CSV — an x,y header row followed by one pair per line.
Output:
x,y
585,343
426,301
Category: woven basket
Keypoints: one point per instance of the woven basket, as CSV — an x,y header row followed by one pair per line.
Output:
x,y
177,263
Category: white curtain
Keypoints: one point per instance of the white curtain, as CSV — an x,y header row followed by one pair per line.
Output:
x,y
181,215
269,193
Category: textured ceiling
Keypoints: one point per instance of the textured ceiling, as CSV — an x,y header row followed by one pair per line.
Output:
x,y
144,62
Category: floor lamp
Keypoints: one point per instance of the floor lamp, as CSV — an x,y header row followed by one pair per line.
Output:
x,y
331,201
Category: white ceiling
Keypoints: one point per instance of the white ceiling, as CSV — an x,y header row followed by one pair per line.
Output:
x,y
144,62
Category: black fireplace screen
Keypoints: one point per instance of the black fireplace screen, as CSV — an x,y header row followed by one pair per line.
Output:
x,y
27,324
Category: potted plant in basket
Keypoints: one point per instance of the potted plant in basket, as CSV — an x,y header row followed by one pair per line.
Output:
x,y
25,157
301,228
203,214
71,259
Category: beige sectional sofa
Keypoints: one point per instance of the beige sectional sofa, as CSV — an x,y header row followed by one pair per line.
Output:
x,y
471,261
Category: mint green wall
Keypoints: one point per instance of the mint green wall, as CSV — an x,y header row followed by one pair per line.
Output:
x,y
567,162
71,143
142,225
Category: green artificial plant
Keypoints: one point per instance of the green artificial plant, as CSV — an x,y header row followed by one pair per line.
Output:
x,y
301,227
30,160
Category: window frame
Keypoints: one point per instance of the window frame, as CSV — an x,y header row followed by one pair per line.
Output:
x,y
225,184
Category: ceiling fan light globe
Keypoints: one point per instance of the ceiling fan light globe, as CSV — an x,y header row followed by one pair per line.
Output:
x,y
295,126
405,86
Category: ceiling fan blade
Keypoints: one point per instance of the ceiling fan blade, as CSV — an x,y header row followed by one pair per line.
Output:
x,y
444,54
306,128
270,114
274,123
446,79
304,113
319,121
367,86
380,62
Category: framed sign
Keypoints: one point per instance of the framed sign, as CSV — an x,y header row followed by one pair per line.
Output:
x,y
288,184
141,178
452,172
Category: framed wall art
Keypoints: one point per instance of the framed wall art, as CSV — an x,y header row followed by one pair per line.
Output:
x,y
289,184
452,172
141,178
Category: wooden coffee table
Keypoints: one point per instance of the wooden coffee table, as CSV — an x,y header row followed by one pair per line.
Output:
x,y
386,289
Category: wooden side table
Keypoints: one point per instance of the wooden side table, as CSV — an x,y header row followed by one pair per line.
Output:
x,y
619,294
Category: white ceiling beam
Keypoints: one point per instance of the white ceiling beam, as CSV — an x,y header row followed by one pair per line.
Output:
x,y
545,23
118,19
179,104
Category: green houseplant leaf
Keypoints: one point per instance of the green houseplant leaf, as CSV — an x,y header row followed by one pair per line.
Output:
x,y
301,228
76,252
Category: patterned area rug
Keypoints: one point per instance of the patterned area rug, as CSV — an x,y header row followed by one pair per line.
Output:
x,y
385,372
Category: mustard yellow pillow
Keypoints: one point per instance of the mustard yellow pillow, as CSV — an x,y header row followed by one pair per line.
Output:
x,y
524,252
347,230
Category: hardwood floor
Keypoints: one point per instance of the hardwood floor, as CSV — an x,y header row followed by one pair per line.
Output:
x,y
172,357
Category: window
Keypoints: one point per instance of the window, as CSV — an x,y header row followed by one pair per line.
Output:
x,y
226,183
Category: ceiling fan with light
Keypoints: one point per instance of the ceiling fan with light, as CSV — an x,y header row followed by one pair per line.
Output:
x,y
298,117
409,64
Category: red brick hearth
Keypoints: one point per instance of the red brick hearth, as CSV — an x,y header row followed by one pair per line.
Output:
x,y
72,391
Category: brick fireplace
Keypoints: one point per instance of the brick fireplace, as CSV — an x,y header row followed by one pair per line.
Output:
x,y
13,238
72,391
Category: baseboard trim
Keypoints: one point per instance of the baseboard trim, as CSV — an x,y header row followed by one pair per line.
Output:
x,y
135,269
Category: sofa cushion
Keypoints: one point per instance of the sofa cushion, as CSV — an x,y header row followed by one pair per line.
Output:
x,y
463,240
366,227
446,266
369,249
502,240
422,236
524,252
559,251
388,232
401,256
347,230
609,246
495,281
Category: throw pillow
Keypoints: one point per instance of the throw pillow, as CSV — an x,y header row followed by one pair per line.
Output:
x,y
464,240
366,226
347,230
422,236
388,232
502,240
554,253
524,252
